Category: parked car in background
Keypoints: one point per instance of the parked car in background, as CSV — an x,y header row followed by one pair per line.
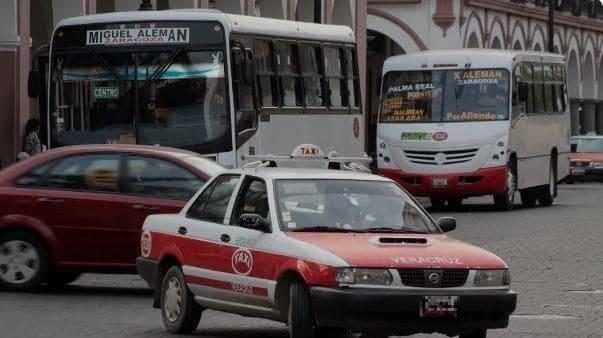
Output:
x,y
586,159
81,209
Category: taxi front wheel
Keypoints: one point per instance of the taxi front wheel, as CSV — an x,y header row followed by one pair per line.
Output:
x,y
301,316
179,310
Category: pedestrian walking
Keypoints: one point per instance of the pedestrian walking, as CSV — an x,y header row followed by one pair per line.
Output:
x,y
32,144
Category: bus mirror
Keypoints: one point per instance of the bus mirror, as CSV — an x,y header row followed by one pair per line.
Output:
x,y
248,75
523,91
33,83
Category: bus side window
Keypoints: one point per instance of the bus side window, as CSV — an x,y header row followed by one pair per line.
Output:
x,y
266,74
527,78
516,81
335,76
549,104
243,89
287,60
559,88
538,88
312,73
353,87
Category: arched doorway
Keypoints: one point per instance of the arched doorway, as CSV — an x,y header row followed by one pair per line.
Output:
x,y
342,13
473,41
379,48
587,116
496,44
226,6
270,9
517,45
573,85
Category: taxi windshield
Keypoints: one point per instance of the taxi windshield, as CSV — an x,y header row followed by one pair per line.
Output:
x,y
588,145
348,205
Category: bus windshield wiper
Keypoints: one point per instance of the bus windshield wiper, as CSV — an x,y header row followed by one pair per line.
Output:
x,y
165,65
458,90
322,228
405,230
106,65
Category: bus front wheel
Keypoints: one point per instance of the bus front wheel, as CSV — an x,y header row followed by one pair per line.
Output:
x,y
505,201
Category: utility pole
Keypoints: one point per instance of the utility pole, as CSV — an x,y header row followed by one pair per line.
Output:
x,y
552,26
317,11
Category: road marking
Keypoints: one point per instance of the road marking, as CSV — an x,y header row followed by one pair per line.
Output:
x,y
588,292
577,307
543,317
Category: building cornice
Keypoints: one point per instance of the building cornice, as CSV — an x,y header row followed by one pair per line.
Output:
x,y
540,13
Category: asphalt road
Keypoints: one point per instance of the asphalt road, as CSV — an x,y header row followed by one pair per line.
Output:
x,y
555,255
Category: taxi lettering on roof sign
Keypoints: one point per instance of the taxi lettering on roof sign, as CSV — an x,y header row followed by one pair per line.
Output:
x,y
307,150
354,245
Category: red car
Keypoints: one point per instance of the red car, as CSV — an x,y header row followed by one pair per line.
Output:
x,y
81,209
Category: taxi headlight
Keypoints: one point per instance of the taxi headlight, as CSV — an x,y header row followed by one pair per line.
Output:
x,y
492,278
363,276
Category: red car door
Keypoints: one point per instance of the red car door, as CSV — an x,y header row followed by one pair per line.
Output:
x,y
154,186
80,201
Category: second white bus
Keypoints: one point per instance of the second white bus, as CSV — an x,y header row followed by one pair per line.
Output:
x,y
472,122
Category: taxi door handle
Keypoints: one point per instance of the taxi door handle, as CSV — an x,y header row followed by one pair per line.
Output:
x,y
144,207
225,238
48,200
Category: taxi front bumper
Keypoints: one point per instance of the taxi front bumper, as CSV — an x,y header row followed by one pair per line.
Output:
x,y
398,311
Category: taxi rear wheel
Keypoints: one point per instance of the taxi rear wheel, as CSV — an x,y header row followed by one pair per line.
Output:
x,y
180,312
481,333
301,317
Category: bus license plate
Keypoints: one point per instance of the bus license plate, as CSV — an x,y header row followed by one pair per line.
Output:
x,y
439,306
439,182
578,171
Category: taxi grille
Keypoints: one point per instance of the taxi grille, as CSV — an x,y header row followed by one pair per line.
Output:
x,y
419,278
449,157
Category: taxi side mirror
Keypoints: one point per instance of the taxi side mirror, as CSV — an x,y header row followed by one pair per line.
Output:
x,y
254,222
447,224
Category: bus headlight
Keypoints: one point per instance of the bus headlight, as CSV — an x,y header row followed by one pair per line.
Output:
x,y
363,276
484,278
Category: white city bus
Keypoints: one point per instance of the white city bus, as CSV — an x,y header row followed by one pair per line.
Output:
x,y
472,122
232,87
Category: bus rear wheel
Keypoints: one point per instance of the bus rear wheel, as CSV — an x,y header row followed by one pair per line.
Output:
x,y
528,197
547,192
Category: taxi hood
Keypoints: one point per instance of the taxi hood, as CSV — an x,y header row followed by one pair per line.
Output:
x,y
402,250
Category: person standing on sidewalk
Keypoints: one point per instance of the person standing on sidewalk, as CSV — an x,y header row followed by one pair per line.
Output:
x,y
32,144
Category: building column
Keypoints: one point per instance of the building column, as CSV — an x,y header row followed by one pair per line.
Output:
x,y
575,116
587,118
599,118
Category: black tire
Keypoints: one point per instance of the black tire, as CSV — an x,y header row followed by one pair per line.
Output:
x,y
528,198
547,193
61,278
454,202
437,203
481,333
189,312
327,332
31,250
569,180
301,316
506,200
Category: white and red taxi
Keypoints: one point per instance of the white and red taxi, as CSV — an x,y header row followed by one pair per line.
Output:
x,y
321,250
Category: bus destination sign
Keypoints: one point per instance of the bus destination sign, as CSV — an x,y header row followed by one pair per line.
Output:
x,y
133,36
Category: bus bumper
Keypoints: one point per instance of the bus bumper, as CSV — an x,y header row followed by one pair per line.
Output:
x,y
487,181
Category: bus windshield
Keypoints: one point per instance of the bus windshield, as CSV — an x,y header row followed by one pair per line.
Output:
x,y
172,98
445,96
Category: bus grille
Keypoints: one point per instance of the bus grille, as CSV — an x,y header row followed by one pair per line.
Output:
x,y
446,157
420,278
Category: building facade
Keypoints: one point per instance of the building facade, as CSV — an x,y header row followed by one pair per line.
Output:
x,y
383,28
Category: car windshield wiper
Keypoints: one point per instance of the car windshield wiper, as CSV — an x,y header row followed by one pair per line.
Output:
x,y
322,228
397,230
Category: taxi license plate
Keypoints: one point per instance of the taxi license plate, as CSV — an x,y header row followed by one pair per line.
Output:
x,y
439,306
439,182
578,171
